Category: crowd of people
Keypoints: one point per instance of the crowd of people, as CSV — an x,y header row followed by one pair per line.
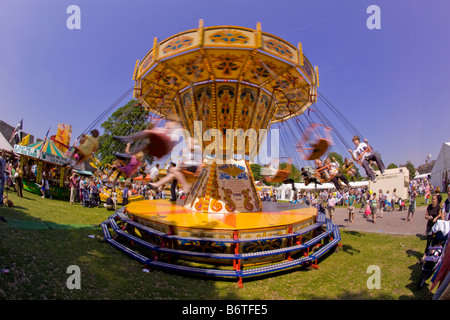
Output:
x,y
371,202
86,189
83,188
11,177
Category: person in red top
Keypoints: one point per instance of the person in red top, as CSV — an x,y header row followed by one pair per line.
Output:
x,y
132,166
73,186
158,141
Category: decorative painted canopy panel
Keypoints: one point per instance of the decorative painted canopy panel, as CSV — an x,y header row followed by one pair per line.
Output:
x,y
227,77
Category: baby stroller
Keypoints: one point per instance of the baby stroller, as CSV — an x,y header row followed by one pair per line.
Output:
x,y
388,206
86,198
95,197
433,257
401,204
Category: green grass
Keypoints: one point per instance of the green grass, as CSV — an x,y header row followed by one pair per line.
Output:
x,y
38,260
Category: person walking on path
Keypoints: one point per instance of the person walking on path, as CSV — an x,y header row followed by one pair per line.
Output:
x,y
380,204
412,203
363,200
351,206
394,198
373,206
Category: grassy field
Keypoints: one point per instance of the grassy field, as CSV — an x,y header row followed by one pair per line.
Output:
x,y
43,237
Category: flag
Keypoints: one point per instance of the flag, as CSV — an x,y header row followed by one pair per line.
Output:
x,y
25,141
46,136
17,133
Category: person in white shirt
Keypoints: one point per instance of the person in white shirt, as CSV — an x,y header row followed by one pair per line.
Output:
x,y
154,172
336,174
363,154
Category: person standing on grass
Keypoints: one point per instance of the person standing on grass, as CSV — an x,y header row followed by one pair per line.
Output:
x,y
351,206
47,188
125,195
447,206
2,175
437,192
427,193
412,203
42,185
73,186
331,205
19,181
433,214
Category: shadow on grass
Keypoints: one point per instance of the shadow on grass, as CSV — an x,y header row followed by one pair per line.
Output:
x,y
37,252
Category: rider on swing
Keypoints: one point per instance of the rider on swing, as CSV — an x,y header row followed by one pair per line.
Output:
x,y
335,174
363,154
322,171
307,178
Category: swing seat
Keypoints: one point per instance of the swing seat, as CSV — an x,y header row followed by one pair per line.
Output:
x,y
320,179
318,149
318,174
280,176
189,176
315,141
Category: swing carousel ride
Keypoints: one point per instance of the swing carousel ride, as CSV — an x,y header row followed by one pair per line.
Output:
x,y
227,77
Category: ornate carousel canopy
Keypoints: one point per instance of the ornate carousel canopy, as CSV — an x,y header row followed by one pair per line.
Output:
x,y
227,77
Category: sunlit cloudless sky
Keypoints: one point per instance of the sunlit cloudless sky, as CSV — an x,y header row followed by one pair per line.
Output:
x,y
391,83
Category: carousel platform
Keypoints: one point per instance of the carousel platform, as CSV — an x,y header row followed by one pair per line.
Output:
x,y
167,236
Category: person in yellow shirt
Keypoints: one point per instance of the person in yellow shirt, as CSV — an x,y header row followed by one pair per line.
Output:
x,y
88,145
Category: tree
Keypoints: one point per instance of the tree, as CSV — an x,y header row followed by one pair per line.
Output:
x,y
126,120
411,168
295,174
337,156
392,166
256,171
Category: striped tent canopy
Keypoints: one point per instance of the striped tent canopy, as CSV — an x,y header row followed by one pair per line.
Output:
x,y
43,150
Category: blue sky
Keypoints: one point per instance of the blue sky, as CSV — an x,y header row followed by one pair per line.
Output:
x,y
392,83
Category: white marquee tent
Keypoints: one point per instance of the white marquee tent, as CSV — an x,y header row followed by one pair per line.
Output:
x,y
285,190
440,174
4,144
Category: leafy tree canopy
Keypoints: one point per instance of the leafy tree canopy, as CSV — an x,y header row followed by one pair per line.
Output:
x,y
411,168
392,166
126,120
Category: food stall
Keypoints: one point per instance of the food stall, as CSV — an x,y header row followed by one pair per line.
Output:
x,y
40,157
